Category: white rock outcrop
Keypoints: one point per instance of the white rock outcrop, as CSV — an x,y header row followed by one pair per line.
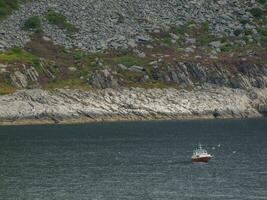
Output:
x,y
130,104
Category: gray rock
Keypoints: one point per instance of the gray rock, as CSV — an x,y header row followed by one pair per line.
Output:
x,y
123,67
216,44
19,79
103,79
189,50
136,68
72,69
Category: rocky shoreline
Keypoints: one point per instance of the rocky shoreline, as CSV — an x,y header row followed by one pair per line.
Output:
x,y
129,104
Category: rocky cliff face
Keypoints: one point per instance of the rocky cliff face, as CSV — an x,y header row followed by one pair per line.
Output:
x,y
188,75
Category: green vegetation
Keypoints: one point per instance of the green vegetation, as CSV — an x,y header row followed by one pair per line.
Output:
x,y
60,20
248,32
244,21
72,68
79,55
205,27
6,89
72,83
33,24
199,32
7,6
17,54
204,39
257,12
227,47
179,50
20,55
262,31
129,61
203,35
185,29
262,1
167,40
237,32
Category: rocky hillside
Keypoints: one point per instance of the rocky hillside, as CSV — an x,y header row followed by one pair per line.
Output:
x,y
50,44
90,45
119,23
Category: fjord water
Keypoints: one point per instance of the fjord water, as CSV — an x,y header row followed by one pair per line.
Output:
x,y
134,160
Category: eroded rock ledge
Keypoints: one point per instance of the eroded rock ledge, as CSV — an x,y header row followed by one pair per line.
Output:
x,y
73,106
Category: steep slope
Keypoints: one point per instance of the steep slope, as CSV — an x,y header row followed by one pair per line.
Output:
x,y
103,24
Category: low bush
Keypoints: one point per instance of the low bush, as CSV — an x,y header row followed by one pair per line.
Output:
x,y
60,20
257,12
262,1
7,6
33,24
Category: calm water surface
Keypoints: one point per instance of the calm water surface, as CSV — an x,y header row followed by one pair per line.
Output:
x,y
135,160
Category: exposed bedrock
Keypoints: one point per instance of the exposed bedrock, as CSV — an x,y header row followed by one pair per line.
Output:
x,y
129,104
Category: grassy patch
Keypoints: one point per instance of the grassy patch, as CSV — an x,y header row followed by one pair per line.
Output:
x,y
179,50
151,85
79,55
6,89
129,61
7,6
33,24
17,54
68,84
60,20
167,40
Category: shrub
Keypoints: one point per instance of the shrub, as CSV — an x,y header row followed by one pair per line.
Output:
x,y
257,12
205,39
7,6
33,24
227,47
78,55
237,32
167,40
244,21
248,32
262,31
205,26
60,20
261,1
14,4
3,12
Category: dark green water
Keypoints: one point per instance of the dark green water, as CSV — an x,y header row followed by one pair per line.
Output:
x,y
136,160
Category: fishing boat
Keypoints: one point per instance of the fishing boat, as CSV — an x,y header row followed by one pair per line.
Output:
x,y
201,155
